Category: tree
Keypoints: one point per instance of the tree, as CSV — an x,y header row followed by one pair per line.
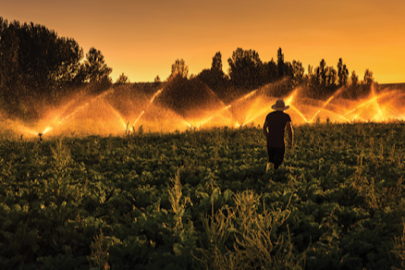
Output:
x,y
330,78
354,78
35,63
186,95
357,88
343,73
180,68
270,72
157,79
217,62
321,73
280,63
44,61
81,75
298,73
215,78
311,78
122,79
9,61
244,69
95,67
288,69
368,77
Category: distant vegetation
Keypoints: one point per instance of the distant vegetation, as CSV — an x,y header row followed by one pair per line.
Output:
x,y
39,68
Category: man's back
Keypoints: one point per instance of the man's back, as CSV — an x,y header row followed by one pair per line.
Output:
x,y
276,123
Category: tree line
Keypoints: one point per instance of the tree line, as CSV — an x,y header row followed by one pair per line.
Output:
x,y
38,65
247,71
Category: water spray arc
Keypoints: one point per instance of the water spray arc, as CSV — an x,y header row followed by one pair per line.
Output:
x,y
363,106
143,111
288,101
250,108
57,122
111,91
376,104
215,114
227,107
137,119
328,101
116,113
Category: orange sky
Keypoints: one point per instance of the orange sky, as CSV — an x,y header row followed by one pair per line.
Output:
x,y
143,38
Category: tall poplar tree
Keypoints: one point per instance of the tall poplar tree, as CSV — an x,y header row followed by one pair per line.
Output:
x,y
280,63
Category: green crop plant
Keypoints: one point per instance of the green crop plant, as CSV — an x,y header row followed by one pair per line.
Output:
x,y
177,200
335,203
99,253
399,249
242,237
61,154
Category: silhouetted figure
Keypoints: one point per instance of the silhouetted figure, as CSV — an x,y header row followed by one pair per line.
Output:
x,y
273,129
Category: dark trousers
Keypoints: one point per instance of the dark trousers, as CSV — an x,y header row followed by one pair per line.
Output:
x,y
276,156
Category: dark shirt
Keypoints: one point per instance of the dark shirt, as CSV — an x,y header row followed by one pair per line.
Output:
x,y
276,122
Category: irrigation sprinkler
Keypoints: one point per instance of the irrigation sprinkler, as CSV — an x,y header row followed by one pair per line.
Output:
x,y
237,113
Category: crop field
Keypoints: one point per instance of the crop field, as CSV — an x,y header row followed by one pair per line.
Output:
x,y
204,200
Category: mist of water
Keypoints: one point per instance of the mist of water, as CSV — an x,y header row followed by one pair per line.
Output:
x,y
118,112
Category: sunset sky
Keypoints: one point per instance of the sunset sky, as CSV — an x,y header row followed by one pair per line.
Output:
x,y
143,38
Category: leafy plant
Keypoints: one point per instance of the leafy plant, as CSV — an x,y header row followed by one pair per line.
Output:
x,y
99,252
399,248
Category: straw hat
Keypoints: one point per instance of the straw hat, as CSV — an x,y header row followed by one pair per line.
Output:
x,y
280,105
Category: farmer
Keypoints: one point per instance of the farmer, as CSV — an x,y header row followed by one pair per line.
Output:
x,y
273,129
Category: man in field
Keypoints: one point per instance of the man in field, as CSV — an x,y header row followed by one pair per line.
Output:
x,y
273,129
